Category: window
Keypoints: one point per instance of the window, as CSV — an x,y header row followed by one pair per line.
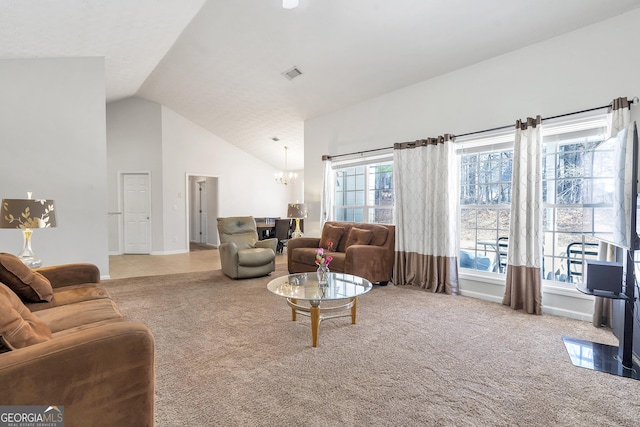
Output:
x,y
572,200
364,191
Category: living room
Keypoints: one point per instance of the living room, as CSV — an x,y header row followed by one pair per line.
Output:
x,y
65,140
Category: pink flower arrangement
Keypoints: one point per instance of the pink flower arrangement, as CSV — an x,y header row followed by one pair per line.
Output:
x,y
321,260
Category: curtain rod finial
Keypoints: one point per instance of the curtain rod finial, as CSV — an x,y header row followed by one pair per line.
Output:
x,y
635,100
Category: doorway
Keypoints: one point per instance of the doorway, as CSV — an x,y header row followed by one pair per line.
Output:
x,y
202,211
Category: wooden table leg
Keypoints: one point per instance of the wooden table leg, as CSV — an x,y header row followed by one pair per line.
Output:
x,y
353,310
293,310
315,325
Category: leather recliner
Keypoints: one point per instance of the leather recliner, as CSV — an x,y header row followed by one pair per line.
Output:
x,y
242,255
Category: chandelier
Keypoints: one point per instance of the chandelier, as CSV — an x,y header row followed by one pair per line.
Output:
x,y
285,177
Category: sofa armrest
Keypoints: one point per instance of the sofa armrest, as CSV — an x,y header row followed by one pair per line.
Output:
x,y
229,258
300,242
303,242
102,375
374,263
268,243
70,274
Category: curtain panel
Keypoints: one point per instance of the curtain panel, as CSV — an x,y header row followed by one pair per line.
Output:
x,y
618,116
425,175
524,258
328,192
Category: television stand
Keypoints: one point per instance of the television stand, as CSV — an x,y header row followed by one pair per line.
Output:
x,y
603,357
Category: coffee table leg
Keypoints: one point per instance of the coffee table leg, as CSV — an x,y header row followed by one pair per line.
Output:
x,y
293,310
353,310
315,324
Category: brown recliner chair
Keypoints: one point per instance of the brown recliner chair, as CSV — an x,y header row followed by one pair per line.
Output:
x,y
242,255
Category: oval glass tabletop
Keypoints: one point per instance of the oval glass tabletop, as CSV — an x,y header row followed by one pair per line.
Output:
x,y
305,286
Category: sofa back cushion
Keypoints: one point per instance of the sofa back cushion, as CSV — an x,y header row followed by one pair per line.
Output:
x,y
358,236
27,284
18,326
331,234
378,237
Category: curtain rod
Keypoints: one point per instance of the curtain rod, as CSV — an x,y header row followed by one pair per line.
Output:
x,y
633,101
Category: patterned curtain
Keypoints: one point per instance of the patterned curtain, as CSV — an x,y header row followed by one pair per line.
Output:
x,y
328,191
618,117
425,175
524,259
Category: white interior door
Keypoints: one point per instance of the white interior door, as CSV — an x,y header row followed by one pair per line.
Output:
x,y
203,205
137,213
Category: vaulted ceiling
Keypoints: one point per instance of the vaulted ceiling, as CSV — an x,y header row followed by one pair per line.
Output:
x,y
219,63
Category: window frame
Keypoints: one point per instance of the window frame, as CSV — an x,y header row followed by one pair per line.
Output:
x,y
368,207
504,139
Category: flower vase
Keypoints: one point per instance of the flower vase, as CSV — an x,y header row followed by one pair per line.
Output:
x,y
323,275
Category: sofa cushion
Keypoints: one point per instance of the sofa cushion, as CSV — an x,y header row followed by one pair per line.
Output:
x,y
380,234
358,236
69,295
331,234
82,313
307,256
18,326
255,257
27,284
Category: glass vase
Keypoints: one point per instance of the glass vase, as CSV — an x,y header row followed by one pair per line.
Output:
x,y
323,275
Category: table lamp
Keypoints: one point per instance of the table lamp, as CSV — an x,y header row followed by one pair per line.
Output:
x,y
297,211
27,214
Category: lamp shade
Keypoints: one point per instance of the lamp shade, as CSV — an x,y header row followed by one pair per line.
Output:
x,y
27,213
297,210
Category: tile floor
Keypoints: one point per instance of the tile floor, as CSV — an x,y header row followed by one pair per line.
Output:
x,y
121,266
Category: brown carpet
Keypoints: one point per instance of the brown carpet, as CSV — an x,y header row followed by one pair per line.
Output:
x,y
228,354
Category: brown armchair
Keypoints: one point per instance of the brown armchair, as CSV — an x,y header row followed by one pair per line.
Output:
x,y
365,250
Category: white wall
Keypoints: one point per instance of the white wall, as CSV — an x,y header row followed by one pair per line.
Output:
x,y
583,69
53,138
134,135
245,183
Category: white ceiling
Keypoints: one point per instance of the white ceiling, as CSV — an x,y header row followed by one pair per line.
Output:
x,y
219,62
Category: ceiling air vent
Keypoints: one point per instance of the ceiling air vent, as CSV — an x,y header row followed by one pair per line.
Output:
x,y
292,73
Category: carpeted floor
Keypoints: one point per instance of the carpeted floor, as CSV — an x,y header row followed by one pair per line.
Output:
x,y
228,354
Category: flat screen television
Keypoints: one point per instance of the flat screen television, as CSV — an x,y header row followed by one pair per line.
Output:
x,y
614,190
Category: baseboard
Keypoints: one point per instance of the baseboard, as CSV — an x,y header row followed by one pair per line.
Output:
x,y
555,311
479,295
179,251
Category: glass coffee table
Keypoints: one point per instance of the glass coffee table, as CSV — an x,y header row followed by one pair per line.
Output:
x,y
305,287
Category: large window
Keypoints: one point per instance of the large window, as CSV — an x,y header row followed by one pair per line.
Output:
x,y
572,200
364,191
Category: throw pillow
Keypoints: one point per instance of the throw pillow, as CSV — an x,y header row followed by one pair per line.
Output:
x,y
18,326
28,285
331,233
358,236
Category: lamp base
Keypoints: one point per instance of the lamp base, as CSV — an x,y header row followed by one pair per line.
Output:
x,y
297,232
26,255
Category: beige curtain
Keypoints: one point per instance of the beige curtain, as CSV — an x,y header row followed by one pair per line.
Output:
x,y
425,178
524,259
618,117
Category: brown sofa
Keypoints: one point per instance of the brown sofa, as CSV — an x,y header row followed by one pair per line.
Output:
x,y
365,250
64,342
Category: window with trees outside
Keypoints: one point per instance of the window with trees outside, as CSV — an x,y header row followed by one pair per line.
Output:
x,y
364,191
572,201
